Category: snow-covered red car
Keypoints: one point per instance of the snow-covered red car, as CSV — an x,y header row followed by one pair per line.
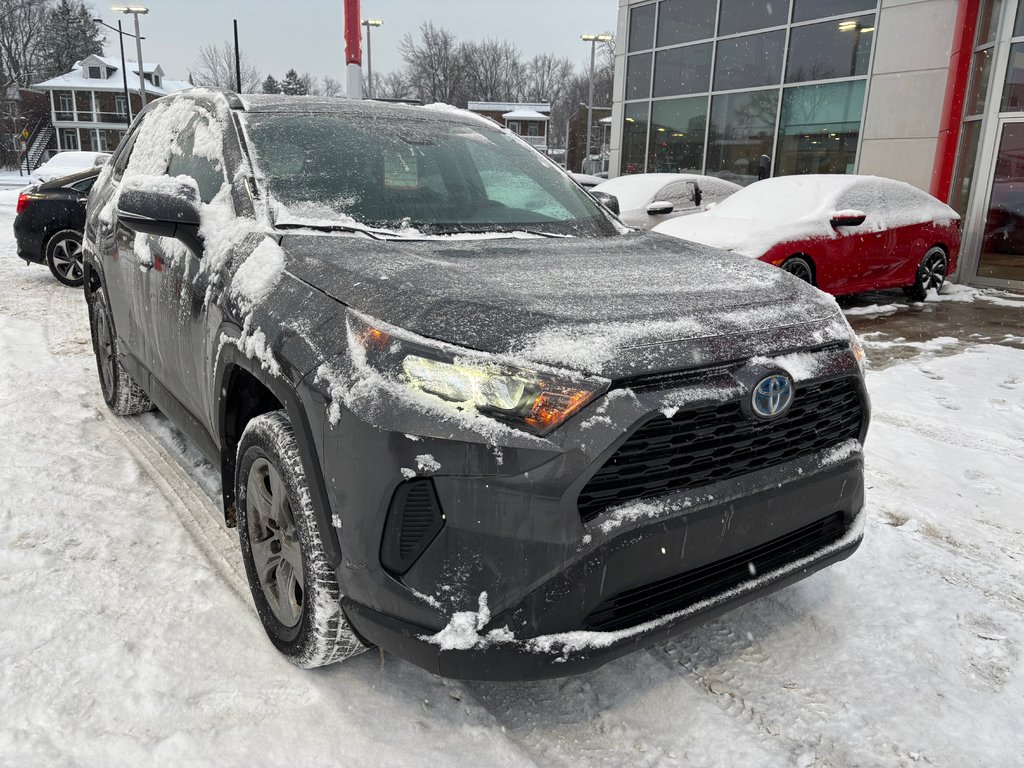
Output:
x,y
843,234
648,199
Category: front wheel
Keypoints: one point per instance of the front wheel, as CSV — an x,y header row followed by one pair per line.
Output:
x,y
930,275
64,258
295,590
799,266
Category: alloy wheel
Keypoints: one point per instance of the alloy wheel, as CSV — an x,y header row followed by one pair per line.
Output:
x,y
67,259
105,348
933,271
799,268
273,537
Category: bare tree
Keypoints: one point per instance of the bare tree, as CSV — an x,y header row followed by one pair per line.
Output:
x,y
329,86
22,33
310,84
436,65
216,69
393,85
494,71
548,77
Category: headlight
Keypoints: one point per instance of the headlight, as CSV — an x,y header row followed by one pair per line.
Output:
x,y
533,400
858,353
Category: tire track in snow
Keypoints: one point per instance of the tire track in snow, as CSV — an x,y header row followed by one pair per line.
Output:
x,y
986,442
197,513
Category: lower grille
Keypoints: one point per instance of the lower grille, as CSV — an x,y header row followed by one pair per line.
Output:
x,y
675,593
706,445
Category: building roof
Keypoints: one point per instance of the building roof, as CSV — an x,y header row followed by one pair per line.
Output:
x,y
525,114
507,106
113,82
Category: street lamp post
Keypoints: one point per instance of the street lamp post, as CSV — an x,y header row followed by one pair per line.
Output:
x,y
135,10
593,40
124,69
369,54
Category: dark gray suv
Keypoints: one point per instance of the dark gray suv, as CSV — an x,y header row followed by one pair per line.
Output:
x,y
460,411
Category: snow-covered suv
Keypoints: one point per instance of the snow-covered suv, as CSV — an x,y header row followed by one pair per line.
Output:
x,y
461,412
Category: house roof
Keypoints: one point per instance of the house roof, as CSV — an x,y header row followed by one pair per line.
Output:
x,y
113,82
507,106
525,114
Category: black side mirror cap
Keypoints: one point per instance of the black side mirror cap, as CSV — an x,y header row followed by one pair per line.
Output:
x,y
848,218
611,202
160,205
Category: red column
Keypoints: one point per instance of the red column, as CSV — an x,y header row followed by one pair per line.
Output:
x,y
353,33
956,92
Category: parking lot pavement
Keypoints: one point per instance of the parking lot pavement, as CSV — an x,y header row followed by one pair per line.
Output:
x,y
894,329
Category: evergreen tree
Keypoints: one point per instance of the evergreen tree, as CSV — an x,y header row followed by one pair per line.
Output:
x,y
293,85
69,36
270,85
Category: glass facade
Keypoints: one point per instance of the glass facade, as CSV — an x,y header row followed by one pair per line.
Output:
x,y
745,89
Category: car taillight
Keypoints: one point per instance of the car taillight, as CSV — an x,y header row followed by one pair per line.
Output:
x,y
23,201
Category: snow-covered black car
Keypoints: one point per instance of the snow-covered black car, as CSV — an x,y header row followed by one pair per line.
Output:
x,y
49,221
461,412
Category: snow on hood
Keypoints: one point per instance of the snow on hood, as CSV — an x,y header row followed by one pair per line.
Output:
x,y
610,306
800,207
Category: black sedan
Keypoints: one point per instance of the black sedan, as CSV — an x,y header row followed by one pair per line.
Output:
x,y
49,223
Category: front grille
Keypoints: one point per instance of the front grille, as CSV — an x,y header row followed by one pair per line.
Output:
x,y
675,593
716,442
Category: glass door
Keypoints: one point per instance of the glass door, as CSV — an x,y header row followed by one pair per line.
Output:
x,y
1002,247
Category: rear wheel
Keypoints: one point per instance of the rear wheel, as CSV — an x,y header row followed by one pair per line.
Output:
x,y
295,590
121,392
930,275
799,266
64,257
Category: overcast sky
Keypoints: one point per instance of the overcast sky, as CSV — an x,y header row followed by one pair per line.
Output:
x,y
308,35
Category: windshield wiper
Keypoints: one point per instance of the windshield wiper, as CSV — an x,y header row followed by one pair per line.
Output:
x,y
376,234
509,232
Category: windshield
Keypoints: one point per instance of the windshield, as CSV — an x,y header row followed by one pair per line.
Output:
x,y
397,173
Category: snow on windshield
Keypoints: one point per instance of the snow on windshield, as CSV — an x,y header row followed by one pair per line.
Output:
x,y
391,172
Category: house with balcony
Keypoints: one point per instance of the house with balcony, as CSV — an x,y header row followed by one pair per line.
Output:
x,y
88,107
527,120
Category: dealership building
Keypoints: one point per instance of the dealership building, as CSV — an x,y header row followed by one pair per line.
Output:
x,y
927,91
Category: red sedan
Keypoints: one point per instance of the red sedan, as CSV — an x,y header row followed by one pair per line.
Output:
x,y
844,234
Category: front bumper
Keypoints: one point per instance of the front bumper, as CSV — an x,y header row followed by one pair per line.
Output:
x,y
517,561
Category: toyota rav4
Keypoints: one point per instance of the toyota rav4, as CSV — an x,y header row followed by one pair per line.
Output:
x,y
460,412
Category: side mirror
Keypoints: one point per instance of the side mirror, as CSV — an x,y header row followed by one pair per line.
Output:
x,y
659,208
848,218
609,201
696,195
162,206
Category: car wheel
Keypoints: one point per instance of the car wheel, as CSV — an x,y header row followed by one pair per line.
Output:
x,y
64,257
931,274
121,392
293,585
801,267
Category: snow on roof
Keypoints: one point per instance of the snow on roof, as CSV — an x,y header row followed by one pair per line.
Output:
x,y
525,114
507,106
76,78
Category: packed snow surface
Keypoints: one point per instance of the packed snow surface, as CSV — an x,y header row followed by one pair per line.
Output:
x,y
129,638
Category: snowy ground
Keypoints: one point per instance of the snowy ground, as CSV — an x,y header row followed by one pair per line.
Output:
x,y
127,634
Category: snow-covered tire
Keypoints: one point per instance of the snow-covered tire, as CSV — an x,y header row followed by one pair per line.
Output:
x,y
799,266
931,274
64,257
294,588
121,392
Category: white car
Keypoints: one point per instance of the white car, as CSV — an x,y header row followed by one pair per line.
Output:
x,y
647,199
66,163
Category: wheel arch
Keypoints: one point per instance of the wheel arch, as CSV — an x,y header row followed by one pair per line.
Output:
x,y
245,390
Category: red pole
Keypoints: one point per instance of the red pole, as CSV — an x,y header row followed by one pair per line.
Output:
x,y
956,92
353,33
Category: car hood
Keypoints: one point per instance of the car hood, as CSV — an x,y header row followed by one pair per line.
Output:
x,y
615,306
750,237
